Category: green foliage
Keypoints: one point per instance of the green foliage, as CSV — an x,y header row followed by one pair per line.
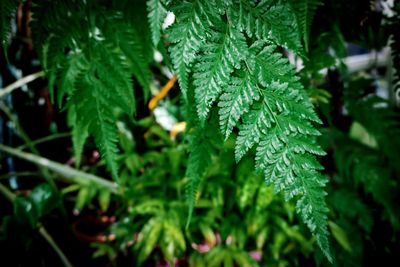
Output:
x,y
377,115
40,202
367,168
237,84
7,8
91,56
232,216
187,37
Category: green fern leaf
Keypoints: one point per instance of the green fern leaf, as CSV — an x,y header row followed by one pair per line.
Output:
x,y
255,124
261,95
220,56
76,65
312,212
269,21
102,51
200,156
80,133
237,99
124,36
305,11
187,36
289,168
156,15
94,103
7,7
55,32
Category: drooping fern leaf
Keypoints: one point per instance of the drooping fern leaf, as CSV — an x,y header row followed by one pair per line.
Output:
x,y
201,152
7,7
199,160
305,11
92,96
121,34
156,15
91,57
256,91
187,36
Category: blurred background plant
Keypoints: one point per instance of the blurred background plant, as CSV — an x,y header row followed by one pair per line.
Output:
x,y
53,213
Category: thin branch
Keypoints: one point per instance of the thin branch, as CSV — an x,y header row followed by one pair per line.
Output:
x,y
70,174
54,245
7,193
27,79
45,139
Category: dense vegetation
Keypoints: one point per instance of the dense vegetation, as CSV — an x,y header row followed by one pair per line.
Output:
x,y
279,151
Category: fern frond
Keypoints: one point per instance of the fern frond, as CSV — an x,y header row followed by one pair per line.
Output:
x,y
100,52
255,125
124,36
200,156
224,52
80,133
313,214
187,36
305,11
94,104
156,15
7,7
71,77
54,33
269,20
235,101
258,93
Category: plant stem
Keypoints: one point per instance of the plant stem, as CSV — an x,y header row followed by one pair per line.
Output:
x,y
70,174
45,139
27,79
54,245
7,193
43,232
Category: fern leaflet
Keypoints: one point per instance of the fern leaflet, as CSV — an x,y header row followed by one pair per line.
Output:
x,y
199,160
7,7
187,35
269,20
156,15
212,74
305,11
